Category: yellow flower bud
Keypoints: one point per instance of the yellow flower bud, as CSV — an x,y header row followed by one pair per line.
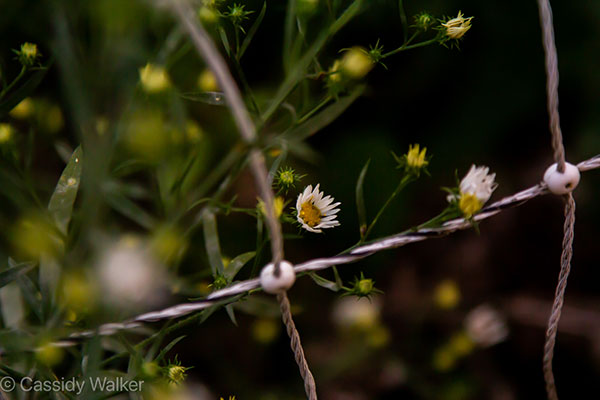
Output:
x,y
446,295
154,78
6,133
207,81
22,110
356,63
457,27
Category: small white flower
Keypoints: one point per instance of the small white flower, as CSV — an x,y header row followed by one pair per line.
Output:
x,y
129,274
315,211
486,326
477,183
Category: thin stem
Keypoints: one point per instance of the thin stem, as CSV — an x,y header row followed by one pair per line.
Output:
x,y
207,50
13,83
409,47
405,180
314,110
403,20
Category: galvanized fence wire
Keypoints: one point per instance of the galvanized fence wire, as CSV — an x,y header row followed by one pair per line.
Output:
x,y
230,293
206,49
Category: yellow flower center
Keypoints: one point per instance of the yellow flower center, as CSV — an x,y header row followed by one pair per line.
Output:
x,y
469,204
310,214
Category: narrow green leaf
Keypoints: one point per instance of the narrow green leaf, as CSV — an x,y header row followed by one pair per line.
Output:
x,y
231,313
63,198
297,74
252,31
26,89
32,295
326,283
13,272
360,200
290,17
336,274
168,347
225,41
211,240
212,98
303,151
403,20
237,263
277,163
129,209
325,117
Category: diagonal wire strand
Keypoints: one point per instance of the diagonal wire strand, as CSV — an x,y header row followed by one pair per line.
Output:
x,y
207,50
240,288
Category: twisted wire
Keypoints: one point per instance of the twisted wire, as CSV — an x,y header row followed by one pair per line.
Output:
x,y
286,314
565,268
229,294
207,50
552,82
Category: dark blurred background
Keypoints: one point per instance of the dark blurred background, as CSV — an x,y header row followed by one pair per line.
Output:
x,y
482,104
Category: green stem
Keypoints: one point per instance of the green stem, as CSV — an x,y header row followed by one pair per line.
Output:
x,y
409,47
246,86
314,110
13,83
405,181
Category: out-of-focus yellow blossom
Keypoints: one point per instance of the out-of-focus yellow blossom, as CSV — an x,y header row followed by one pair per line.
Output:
x,y
33,236
168,244
193,132
101,125
356,63
462,344
265,330
23,110
49,354
53,119
444,359
378,336
154,78
207,81
150,369
6,132
147,136
79,292
446,295
278,204
208,15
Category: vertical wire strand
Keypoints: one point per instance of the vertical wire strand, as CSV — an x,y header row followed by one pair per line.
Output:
x,y
217,65
286,314
565,268
552,82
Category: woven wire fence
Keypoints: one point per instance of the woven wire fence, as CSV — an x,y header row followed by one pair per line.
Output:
x,y
247,130
204,46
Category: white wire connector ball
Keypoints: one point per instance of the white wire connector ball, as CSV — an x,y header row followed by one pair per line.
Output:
x,y
277,284
562,183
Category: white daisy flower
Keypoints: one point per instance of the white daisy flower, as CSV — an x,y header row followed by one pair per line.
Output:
x,y
476,188
315,211
479,183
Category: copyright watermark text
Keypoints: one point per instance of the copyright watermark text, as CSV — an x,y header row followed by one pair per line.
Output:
x,y
71,385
